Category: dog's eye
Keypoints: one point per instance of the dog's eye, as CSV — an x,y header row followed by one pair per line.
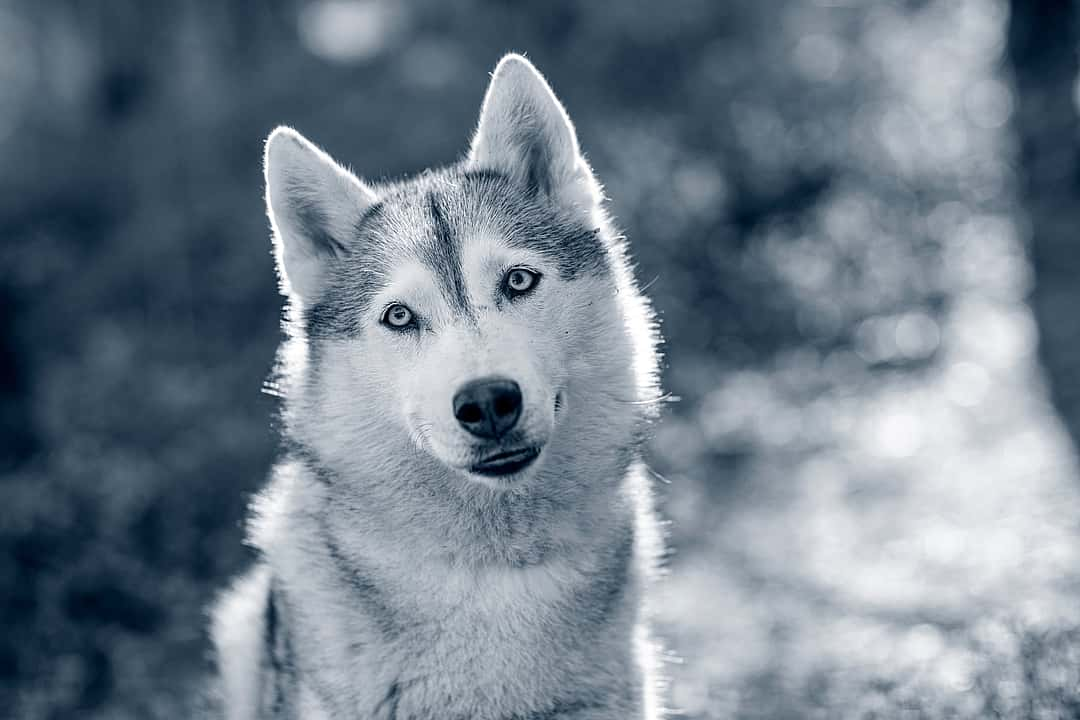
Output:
x,y
398,316
519,281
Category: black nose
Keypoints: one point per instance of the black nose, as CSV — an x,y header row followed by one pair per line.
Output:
x,y
488,407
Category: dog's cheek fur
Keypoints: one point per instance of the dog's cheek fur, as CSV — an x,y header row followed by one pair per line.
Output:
x,y
595,357
351,390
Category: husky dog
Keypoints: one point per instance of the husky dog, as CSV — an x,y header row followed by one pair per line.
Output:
x,y
461,527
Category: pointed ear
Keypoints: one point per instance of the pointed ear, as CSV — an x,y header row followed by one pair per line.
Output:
x,y
314,205
525,132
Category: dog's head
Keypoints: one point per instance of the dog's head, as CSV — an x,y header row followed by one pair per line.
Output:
x,y
480,318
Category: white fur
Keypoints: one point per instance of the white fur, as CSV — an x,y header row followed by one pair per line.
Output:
x,y
238,648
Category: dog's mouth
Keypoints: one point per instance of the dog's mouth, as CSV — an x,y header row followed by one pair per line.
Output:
x,y
506,463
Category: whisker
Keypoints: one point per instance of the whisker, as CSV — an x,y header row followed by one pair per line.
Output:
x,y
665,398
272,389
657,475
649,284
421,434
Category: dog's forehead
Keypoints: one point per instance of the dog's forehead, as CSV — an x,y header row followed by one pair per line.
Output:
x,y
439,216
442,220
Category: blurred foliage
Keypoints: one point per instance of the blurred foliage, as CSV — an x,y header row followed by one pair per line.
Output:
x,y
874,504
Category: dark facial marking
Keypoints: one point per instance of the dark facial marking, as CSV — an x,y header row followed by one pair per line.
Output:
x,y
525,216
443,256
353,276
578,250
530,220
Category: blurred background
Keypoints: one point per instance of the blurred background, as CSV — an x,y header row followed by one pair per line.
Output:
x,y
858,222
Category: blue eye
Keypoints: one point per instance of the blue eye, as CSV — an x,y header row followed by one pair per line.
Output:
x,y
520,281
398,317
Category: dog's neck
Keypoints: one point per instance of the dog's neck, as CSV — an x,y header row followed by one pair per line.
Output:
x,y
446,518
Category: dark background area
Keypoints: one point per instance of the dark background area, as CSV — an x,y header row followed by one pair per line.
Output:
x,y
857,220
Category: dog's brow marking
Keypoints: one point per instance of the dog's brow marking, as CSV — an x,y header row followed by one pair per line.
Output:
x,y
444,257
531,222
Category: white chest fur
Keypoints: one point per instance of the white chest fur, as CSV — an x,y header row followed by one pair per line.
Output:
x,y
462,642
378,630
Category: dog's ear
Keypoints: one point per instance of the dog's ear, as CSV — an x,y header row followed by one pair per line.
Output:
x,y
525,132
314,205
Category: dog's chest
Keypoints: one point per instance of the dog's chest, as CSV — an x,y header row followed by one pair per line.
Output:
x,y
453,643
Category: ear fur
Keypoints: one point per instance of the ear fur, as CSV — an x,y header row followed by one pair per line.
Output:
x,y
314,205
525,132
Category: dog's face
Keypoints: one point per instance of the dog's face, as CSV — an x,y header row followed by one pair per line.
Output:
x,y
465,335
476,361
473,313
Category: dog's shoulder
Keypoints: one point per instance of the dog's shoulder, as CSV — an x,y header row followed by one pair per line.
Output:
x,y
237,632
250,631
